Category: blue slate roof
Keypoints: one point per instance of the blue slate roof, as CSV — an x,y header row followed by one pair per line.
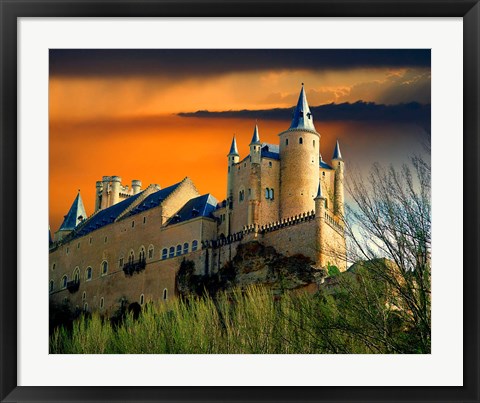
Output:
x,y
337,154
201,206
324,165
153,200
255,137
233,147
270,151
302,117
105,216
75,215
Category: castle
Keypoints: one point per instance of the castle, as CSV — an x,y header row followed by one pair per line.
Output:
x,y
132,246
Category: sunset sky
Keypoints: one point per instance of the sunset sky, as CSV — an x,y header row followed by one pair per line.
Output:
x,y
161,115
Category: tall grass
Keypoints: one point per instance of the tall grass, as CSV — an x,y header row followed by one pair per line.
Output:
x,y
240,322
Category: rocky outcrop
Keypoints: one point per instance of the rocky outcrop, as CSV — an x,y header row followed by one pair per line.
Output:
x,y
254,263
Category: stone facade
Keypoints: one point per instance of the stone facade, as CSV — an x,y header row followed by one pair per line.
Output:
x,y
131,248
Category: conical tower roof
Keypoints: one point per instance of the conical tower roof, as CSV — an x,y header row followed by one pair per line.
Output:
x,y
256,136
302,117
337,154
75,215
233,147
319,192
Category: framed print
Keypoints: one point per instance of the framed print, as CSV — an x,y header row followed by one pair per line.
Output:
x,y
244,201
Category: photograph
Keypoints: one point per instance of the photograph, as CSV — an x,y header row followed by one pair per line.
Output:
x,y
239,201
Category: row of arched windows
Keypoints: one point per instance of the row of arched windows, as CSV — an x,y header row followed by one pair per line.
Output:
x,y
76,276
178,250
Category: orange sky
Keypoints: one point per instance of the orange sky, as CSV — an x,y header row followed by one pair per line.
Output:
x,y
127,126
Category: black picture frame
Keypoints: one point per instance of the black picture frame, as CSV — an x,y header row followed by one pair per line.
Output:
x,y
11,10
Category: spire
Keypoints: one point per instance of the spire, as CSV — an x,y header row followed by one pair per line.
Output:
x,y
319,192
256,136
233,147
302,117
75,215
337,155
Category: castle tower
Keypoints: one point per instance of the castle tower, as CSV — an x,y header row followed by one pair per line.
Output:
x,y
299,162
254,182
320,200
339,166
105,193
233,158
98,195
115,193
136,186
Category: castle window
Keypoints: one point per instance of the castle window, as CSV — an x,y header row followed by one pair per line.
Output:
x,y
78,245
164,253
50,286
76,275
241,195
102,303
84,296
105,240
150,252
142,299
133,224
104,268
286,142
267,193
131,257
53,267
90,241
67,250
88,274
120,263
172,252
244,164
323,173
271,194
165,293
300,140
85,307
185,248
313,143
249,192
64,281
144,220
179,250
270,164
194,245
141,255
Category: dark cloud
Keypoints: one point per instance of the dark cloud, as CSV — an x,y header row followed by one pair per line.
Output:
x,y
413,113
198,62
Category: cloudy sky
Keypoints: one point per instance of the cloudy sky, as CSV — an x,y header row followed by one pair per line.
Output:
x,y
161,115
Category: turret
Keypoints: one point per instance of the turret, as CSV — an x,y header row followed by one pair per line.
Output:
x,y
254,180
115,192
105,195
255,147
74,217
136,186
233,158
98,195
339,167
299,162
320,200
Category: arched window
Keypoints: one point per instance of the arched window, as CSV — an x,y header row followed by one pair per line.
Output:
x,y
313,143
76,275
64,281
53,267
104,268
185,247
300,140
50,286
240,195
171,252
85,307
270,164
179,250
142,299
267,193
131,257
84,296
271,194
102,302
194,245
88,274
286,142
164,253
141,254
150,252
165,293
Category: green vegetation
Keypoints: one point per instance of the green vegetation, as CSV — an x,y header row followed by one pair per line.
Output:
x,y
351,316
